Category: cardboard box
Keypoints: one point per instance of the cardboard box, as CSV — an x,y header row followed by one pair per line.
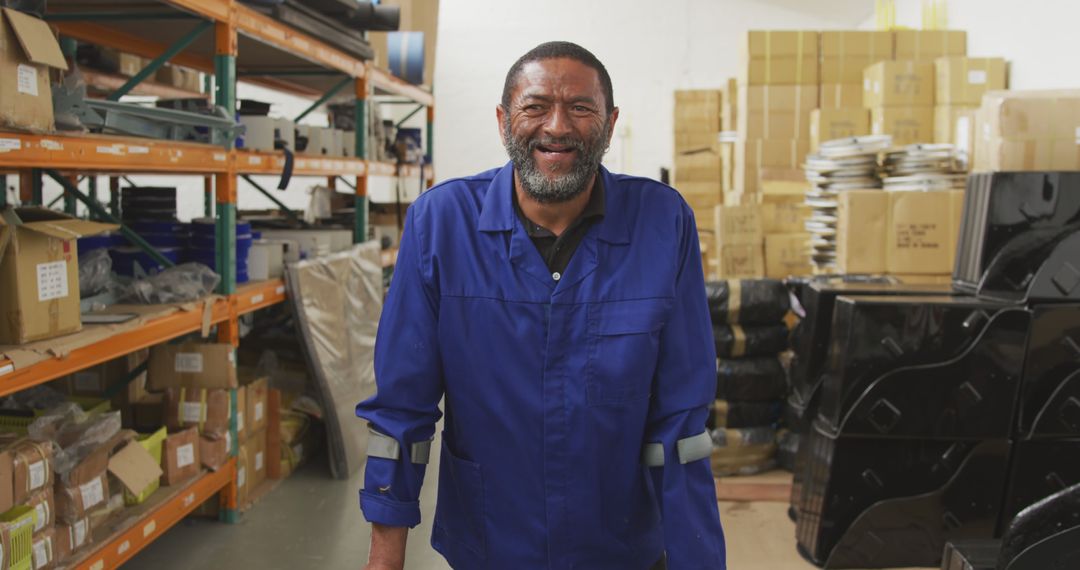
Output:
x,y
206,410
74,502
783,217
213,453
728,107
738,225
130,64
28,49
180,457
179,77
848,44
7,481
740,261
39,272
242,418
243,477
898,84
829,124
787,255
860,231
31,468
928,45
784,43
779,58
848,70
43,551
782,184
96,462
954,124
192,365
709,190
148,414
907,125
255,450
1028,130
698,111
135,468
701,166
752,156
70,537
44,505
695,140
775,111
840,95
727,166
964,80
922,232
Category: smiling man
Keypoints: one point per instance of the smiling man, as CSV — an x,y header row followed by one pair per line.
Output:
x,y
560,310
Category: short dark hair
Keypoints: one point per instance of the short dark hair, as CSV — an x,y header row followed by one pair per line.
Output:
x,y
556,50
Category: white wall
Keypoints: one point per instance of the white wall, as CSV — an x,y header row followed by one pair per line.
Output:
x,y
650,49
1038,37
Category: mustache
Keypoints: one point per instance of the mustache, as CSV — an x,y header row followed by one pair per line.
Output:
x,y
569,142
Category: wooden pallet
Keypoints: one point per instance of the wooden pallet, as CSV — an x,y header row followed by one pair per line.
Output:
x,y
772,486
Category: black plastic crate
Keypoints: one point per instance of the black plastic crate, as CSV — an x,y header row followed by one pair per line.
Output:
x,y
1039,469
1050,390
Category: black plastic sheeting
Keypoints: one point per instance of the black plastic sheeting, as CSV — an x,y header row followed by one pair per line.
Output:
x,y
747,301
750,379
737,341
725,414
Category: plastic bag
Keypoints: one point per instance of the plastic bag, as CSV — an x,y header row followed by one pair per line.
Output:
x,y
319,204
751,379
737,341
748,301
725,414
76,436
95,272
180,284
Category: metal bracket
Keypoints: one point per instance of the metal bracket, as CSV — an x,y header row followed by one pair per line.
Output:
x,y
160,60
326,97
288,212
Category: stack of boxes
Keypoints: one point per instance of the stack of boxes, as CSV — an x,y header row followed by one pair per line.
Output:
x,y
960,83
1028,130
697,159
844,56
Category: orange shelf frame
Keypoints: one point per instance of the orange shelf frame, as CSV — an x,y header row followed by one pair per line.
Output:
x,y
109,154
132,538
390,169
254,296
248,162
382,79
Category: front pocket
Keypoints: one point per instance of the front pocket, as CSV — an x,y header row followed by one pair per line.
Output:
x,y
460,509
624,341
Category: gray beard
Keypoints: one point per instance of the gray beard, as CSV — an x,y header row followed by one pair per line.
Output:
x,y
561,188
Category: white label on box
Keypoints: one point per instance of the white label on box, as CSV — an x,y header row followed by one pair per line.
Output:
x,y
191,412
92,493
138,150
51,145
185,455
149,528
866,84
52,280
961,136
257,298
42,515
239,421
28,80
37,475
78,533
41,553
877,87
189,362
7,369
88,381
258,411
241,477
259,461
10,144
977,76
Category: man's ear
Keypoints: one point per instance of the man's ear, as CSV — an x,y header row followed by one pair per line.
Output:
x,y
611,124
500,116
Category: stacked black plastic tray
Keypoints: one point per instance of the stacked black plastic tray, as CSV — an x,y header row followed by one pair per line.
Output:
x,y
751,379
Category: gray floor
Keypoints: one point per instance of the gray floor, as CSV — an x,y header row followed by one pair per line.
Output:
x,y
308,521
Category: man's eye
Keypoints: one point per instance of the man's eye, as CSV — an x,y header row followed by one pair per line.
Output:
x,y
533,107
581,109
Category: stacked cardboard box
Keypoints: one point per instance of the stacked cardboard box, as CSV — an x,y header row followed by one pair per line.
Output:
x,y
777,91
900,96
739,241
844,56
960,83
1028,130
697,152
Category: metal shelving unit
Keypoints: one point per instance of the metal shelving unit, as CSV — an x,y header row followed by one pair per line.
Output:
x,y
243,44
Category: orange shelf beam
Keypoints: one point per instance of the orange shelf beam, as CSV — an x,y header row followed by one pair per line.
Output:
x,y
110,82
274,33
254,296
110,37
109,154
122,546
389,169
382,79
272,164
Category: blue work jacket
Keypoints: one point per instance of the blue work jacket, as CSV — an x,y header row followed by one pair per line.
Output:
x,y
552,384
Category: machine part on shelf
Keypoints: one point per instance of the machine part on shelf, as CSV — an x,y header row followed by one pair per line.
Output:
x,y
69,104
369,16
130,119
747,301
1045,535
332,31
405,56
287,169
337,301
289,213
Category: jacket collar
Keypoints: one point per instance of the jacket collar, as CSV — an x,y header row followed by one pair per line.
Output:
x,y
498,215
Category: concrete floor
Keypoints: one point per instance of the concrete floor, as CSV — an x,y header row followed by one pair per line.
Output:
x,y
309,521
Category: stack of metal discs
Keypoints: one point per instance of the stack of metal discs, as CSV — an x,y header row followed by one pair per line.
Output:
x,y
923,167
839,165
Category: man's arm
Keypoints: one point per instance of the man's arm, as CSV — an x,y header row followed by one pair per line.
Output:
x,y
403,412
684,386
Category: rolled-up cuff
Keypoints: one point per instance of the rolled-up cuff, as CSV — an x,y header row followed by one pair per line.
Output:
x,y
387,511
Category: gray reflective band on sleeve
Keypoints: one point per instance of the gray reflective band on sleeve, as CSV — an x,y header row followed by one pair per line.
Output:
x,y
421,452
694,448
652,455
382,445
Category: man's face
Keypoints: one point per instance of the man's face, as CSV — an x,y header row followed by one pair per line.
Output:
x,y
556,129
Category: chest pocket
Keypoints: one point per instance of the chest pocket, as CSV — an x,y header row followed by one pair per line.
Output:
x,y
624,342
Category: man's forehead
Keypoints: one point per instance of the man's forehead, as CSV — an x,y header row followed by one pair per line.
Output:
x,y
556,72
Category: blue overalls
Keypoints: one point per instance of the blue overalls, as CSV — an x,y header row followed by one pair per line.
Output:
x,y
575,404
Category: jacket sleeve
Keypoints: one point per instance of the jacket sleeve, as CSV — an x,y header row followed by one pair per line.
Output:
x,y
685,385
409,380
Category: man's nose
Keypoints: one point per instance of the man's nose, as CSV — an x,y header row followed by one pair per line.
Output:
x,y
558,122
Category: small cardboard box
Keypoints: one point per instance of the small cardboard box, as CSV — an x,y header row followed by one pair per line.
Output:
x,y
964,80
148,414
192,365
840,95
923,230
179,77
907,125
180,457
701,166
28,49
775,111
695,140
31,466
213,453
700,189
752,157
829,124
44,505
787,255
848,44
898,84
206,410
738,225
254,450
767,44
1028,130
783,217
243,475
39,272
782,184
70,537
74,502
135,468
43,550
860,231
928,45
779,58
698,111
954,125
740,261
7,480
257,394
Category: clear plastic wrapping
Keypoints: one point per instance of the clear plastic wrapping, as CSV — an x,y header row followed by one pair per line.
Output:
x,y
737,341
95,272
747,301
180,284
75,434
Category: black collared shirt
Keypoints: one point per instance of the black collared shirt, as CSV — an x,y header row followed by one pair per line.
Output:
x,y
557,250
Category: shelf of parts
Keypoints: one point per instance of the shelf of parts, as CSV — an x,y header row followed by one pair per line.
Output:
x,y
160,514
248,297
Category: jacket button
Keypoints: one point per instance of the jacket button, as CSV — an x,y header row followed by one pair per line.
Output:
x,y
556,276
